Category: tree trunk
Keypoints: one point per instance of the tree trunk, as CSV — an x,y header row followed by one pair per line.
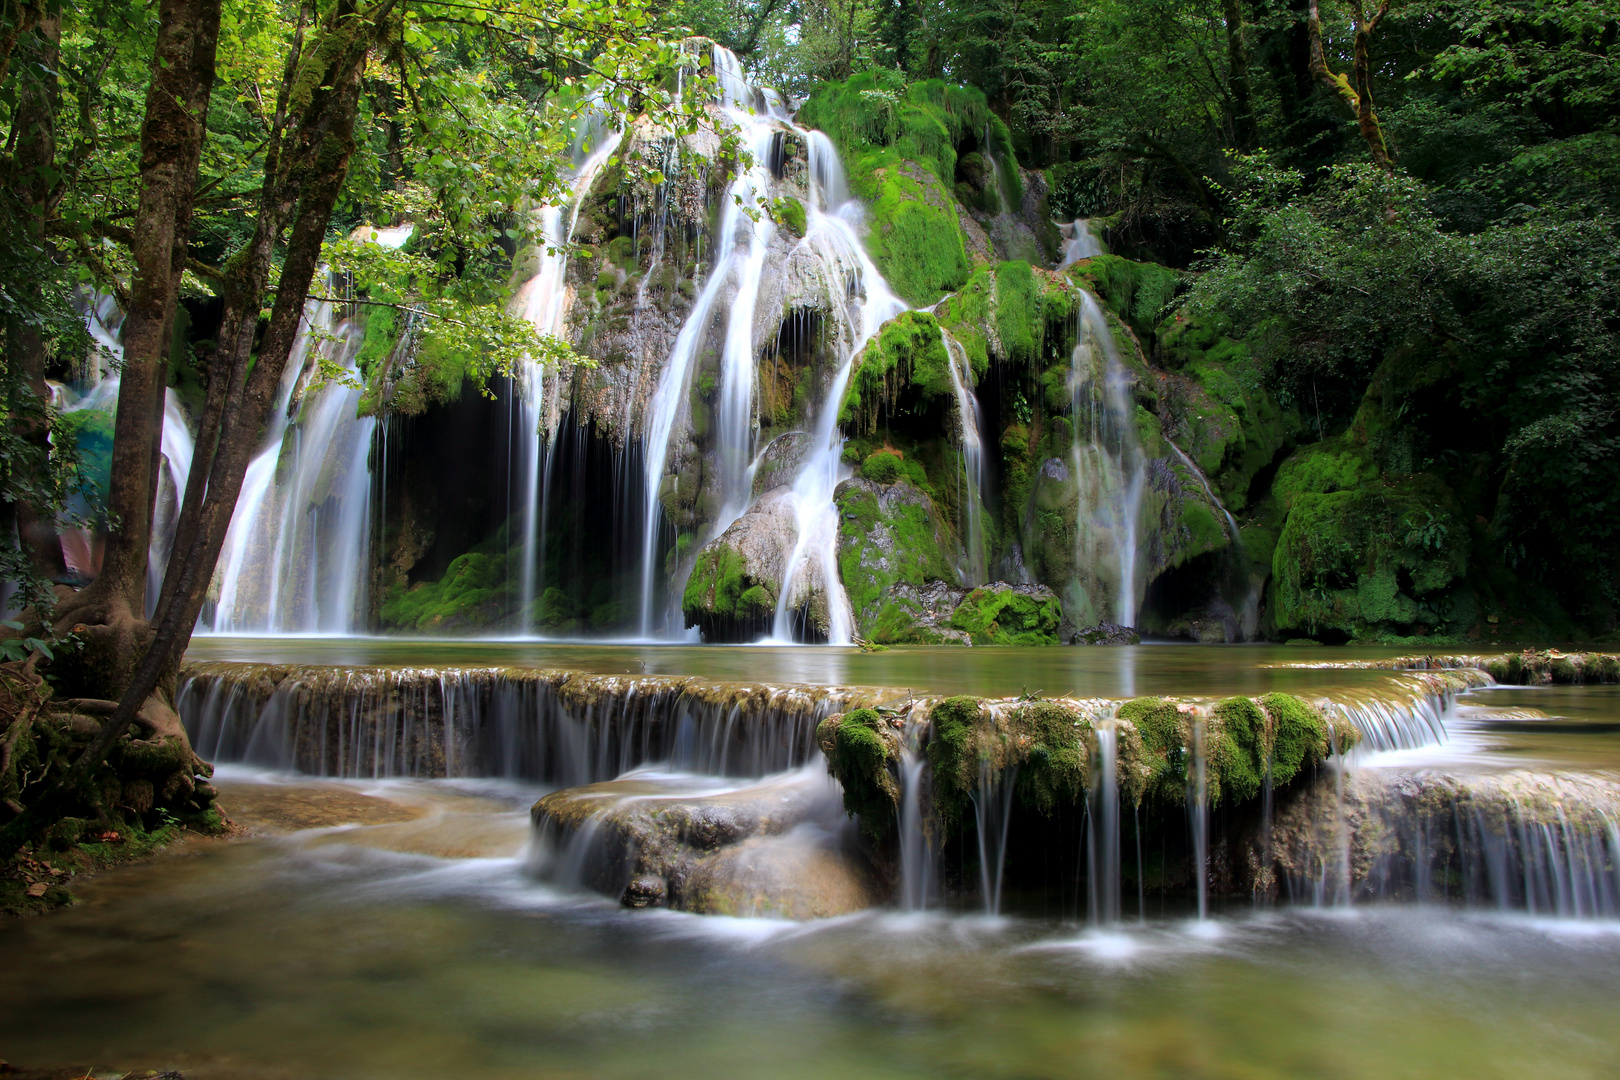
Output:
x,y
35,124
1356,89
1244,129
171,147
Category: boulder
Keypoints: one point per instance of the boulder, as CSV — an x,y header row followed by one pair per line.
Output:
x,y
776,846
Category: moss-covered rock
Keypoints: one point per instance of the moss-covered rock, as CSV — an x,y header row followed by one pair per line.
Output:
x,y
1002,614
906,359
889,534
899,145
1377,559
859,746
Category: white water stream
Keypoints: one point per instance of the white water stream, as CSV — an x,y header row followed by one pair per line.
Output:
x,y
296,557
1110,467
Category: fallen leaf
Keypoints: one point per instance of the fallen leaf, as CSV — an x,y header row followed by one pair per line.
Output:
x,y
108,836
37,889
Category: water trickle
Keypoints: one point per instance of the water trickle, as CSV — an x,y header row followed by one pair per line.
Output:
x,y
1079,242
1110,469
1102,829
1198,812
543,300
992,814
972,480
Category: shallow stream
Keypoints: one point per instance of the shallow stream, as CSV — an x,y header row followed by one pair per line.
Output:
x,y
396,929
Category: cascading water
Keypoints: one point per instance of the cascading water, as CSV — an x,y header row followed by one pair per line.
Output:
x,y
1110,468
972,496
295,558
1079,242
862,303
543,301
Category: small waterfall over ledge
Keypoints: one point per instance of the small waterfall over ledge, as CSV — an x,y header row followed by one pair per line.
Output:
x,y
557,727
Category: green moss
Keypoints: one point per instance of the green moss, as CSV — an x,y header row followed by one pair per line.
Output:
x,y
1321,469
474,592
1051,738
1369,561
1165,735
1236,751
879,548
719,587
1020,316
380,340
1139,293
1002,616
906,358
1297,736
952,756
899,146
883,467
789,213
858,753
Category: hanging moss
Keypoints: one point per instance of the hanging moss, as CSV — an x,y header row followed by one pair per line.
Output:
x,y
857,746
1165,736
1298,735
1052,741
907,358
1020,320
1235,748
952,756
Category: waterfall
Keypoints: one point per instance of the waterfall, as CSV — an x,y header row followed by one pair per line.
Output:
x,y
1102,829
992,814
1198,812
297,555
973,496
543,300
746,231
862,302
557,727
832,233
105,323
1544,843
1110,467
1079,242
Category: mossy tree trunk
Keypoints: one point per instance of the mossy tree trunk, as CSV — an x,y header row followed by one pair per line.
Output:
x,y
1355,90
307,160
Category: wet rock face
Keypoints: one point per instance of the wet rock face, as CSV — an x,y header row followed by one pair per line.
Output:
x,y
1107,633
775,848
733,591
1538,841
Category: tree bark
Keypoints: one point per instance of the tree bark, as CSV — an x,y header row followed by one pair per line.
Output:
x,y
1244,129
171,147
1356,89
35,124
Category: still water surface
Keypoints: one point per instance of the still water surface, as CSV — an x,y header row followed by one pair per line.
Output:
x,y
1115,671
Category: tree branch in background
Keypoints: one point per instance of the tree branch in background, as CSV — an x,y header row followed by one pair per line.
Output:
x,y
1354,90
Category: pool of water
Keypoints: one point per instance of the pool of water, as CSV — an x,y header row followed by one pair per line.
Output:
x,y
418,945
1112,671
